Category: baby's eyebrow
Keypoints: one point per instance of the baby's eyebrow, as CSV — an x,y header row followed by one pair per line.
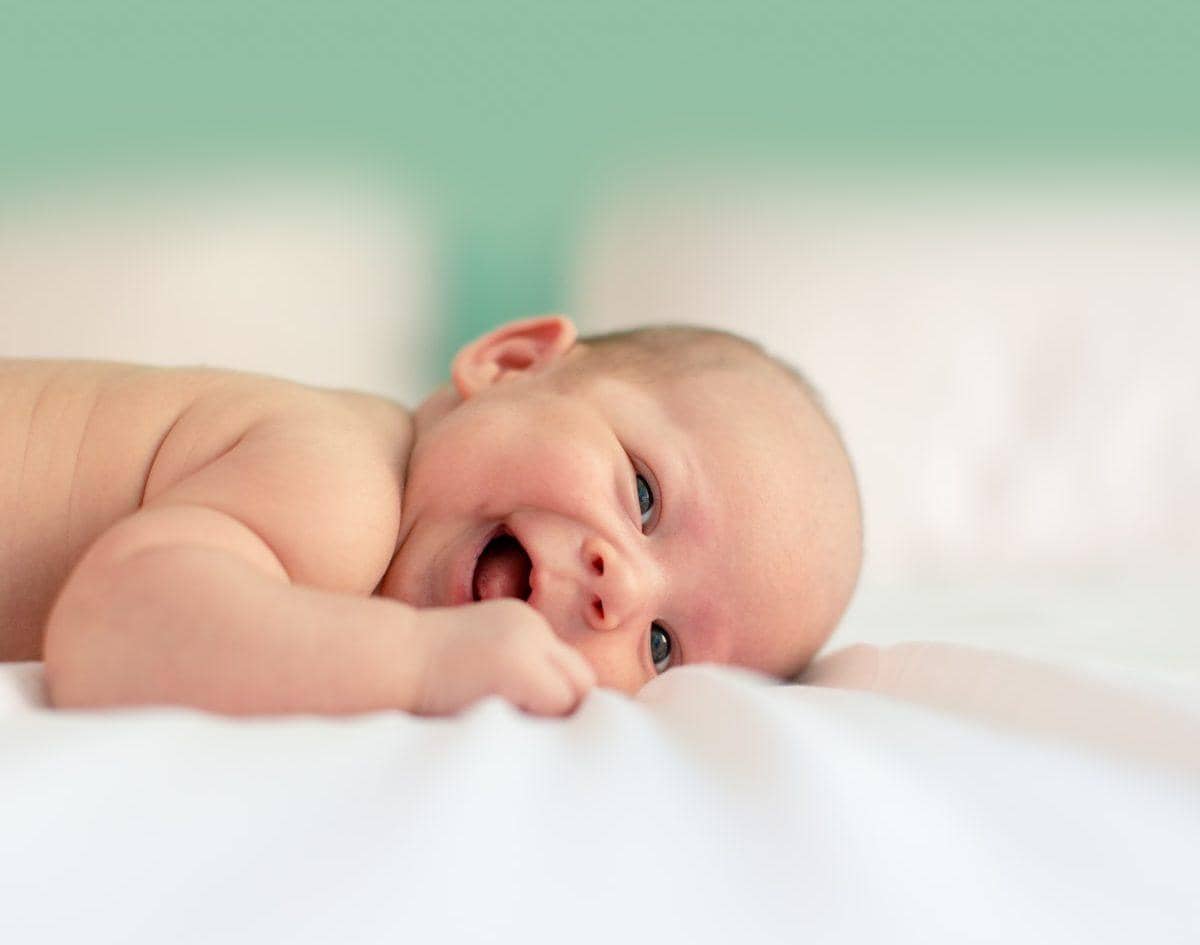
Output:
x,y
703,635
681,516
687,505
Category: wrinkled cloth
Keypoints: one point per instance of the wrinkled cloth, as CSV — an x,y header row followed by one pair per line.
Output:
x,y
716,806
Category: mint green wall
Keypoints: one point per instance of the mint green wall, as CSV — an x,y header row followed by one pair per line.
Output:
x,y
509,115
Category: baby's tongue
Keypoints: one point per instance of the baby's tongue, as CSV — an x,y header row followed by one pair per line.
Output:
x,y
503,570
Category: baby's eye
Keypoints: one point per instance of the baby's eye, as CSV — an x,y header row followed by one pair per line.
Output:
x,y
660,647
645,499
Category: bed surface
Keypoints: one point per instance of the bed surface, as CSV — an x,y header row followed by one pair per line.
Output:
x,y
917,792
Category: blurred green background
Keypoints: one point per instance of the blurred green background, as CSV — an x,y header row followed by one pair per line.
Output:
x,y
510,119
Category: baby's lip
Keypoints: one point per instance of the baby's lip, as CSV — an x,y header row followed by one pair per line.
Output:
x,y
534,568
463,573
462,589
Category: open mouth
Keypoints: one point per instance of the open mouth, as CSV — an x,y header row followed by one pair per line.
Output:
x,y
503,569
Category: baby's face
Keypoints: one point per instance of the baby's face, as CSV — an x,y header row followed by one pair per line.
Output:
x,y
653,524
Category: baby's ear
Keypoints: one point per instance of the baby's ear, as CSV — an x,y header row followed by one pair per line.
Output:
x,y
515,348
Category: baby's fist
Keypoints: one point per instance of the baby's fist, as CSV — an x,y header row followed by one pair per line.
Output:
x,y
500,647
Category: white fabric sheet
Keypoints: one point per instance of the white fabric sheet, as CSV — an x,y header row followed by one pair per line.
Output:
x,y
715,807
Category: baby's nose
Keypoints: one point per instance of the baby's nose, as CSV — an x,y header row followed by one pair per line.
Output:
x,y
612,589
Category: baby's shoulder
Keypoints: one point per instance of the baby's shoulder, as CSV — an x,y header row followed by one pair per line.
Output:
x,y
318,473
325,426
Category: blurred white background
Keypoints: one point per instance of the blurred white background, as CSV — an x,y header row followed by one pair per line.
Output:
x,y
322,276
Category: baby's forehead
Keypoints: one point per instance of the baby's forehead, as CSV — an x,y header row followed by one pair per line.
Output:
x,y
750,400
727,364
650,354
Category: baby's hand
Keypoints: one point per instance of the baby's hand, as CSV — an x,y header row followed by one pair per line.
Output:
x,y
500,647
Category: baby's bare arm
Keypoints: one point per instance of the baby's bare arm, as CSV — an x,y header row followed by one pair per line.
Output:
x,y
185,605
243,582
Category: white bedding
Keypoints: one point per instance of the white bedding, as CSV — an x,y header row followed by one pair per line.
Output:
x,y
947,806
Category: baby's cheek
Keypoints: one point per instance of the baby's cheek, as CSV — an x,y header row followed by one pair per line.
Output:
x,y
503,460
615,667
566,482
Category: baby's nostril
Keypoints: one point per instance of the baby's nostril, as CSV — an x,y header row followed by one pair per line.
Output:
x,y
598,564
598,607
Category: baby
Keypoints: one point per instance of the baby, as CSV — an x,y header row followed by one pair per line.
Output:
x,y
564,513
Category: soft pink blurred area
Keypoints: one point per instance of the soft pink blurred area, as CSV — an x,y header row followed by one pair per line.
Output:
x,y
1126,716
1012,362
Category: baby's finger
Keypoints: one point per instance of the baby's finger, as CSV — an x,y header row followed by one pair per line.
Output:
x,y
548,691
576,668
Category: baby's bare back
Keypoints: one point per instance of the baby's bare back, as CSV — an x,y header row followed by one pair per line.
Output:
x,y
83,444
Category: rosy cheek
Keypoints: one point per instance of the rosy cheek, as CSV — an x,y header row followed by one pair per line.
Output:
x,y
505,460
554,472
616,668
575,491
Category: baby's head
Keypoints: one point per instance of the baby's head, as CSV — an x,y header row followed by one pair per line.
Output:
x,y
663,496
